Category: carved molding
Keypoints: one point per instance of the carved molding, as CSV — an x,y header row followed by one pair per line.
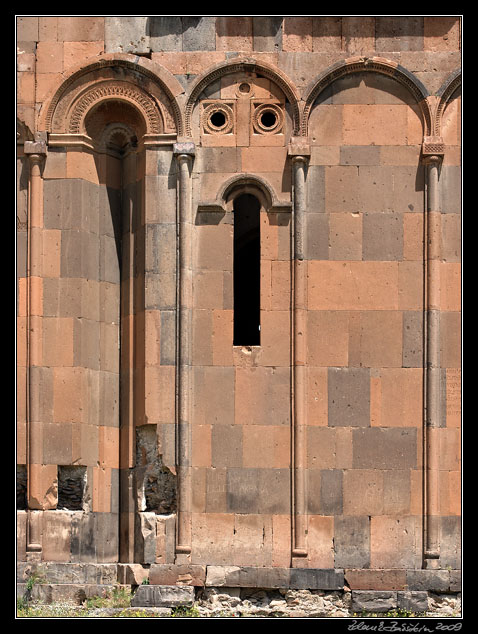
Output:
x,y
247,183
361,64
114,90
445,94
227,124
139,74
277,118
244,65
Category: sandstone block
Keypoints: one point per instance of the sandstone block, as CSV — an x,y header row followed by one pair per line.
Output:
x,y
181,575
413,601
163,596
373,601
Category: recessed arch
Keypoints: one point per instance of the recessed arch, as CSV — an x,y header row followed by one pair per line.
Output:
x,y
244,65
445,94
361,64
134,78
247,184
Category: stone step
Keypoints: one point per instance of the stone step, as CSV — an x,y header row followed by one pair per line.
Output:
x,y
151,596
64,592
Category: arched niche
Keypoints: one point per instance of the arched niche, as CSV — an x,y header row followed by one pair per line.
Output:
x,y
244,79
122,77
380,67
110,124
448,95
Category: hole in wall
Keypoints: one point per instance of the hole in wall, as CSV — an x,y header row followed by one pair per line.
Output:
x,y
247,271
156,483
71,487
218,119
21,487
268,119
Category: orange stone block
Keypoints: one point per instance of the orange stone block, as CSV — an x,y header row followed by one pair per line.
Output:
x,y
441,33
381,339
328,338
68,395
76,52
222,327
399,398
108,438
320,542
281,546
395,542
81,164
450,286
297,34
413,237
363,492
266,446
43,487
45,84
317,398
49,57
201,445
234,33
101,490
352,285
160,393
58,349
375,124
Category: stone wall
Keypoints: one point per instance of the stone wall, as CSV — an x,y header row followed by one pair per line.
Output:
x,y
335,443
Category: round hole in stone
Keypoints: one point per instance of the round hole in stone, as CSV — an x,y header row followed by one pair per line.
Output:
x,y
218,119
268,119
244,88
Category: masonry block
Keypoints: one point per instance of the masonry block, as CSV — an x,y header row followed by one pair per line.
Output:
x,y
156,596
373,601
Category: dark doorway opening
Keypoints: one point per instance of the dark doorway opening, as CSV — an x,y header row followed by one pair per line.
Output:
x,y
247,271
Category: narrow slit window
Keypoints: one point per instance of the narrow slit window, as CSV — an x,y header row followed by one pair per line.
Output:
x,y
247,271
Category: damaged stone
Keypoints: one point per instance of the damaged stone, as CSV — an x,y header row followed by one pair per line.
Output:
x,y
71,487
156,483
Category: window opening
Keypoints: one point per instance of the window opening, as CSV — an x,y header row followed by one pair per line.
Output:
x,y
247,274
218,119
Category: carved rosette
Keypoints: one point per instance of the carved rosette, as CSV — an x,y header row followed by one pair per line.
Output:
x,y
268,118
117,91
217,118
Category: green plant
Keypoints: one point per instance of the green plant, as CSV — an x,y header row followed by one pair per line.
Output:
x,y
118,597
145,582
183,611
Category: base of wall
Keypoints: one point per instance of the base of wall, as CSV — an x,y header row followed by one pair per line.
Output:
x,y
93,578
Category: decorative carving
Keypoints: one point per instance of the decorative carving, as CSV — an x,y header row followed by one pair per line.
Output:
x,y
247,66
433,146
217,117
267,118
133,71
115,90
374,64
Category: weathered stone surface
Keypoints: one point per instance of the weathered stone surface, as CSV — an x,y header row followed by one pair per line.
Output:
x,y
179,574
373,601
413,601
163,596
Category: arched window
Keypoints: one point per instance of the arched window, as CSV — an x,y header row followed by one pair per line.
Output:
x,y
247,270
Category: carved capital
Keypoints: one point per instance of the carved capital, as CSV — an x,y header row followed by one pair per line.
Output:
x,y
186,148
433,148
299,148
35,148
